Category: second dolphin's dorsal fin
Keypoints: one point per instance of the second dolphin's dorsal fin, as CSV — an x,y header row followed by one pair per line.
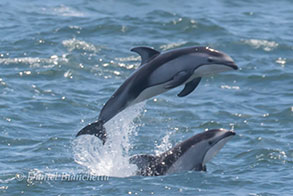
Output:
x,y
145,53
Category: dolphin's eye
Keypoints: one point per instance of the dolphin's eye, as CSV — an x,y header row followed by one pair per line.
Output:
x,y
210,60
210,142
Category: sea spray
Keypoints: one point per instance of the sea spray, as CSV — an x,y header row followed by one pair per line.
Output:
x,y
164,145
111,159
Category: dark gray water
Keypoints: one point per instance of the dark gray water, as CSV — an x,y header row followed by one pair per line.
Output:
x,y
60,62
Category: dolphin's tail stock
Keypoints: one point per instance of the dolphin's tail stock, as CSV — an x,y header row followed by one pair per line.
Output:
x,y
95,128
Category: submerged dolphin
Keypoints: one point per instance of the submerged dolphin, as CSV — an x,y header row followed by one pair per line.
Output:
x,y
158,73
191,154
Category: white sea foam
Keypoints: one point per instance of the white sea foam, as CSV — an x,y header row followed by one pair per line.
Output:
x,y
172,45
111,159
230,87
67,11
36,61
264,44
73,44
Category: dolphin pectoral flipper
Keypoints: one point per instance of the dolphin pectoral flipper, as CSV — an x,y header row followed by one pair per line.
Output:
x,y
95,128
189,87
145,53
178,79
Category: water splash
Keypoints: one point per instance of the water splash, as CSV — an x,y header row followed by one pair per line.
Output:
x,y
165,144
111,159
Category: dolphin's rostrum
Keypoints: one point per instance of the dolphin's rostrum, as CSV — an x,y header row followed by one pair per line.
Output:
x,y
158,73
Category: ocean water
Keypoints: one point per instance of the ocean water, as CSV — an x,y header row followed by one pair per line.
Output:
x,y
61,60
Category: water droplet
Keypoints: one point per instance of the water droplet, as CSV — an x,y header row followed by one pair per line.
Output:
x,y
27,72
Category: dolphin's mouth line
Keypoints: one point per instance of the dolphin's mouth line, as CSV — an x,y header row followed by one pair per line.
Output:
x,y
230,64
227,134
230,133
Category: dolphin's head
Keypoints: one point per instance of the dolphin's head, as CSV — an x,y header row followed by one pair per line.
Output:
x,y
199,149
214,142
210,61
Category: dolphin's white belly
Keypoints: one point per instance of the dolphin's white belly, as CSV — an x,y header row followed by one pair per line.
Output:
x,y
208,70
150,92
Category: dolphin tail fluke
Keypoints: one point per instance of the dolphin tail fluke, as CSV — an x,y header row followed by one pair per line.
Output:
x,y
95,128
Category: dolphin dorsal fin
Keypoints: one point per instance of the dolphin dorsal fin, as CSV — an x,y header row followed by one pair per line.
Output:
x,y
145,53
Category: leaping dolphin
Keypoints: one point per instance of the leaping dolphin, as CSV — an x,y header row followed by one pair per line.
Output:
x,y
191,154
158,73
